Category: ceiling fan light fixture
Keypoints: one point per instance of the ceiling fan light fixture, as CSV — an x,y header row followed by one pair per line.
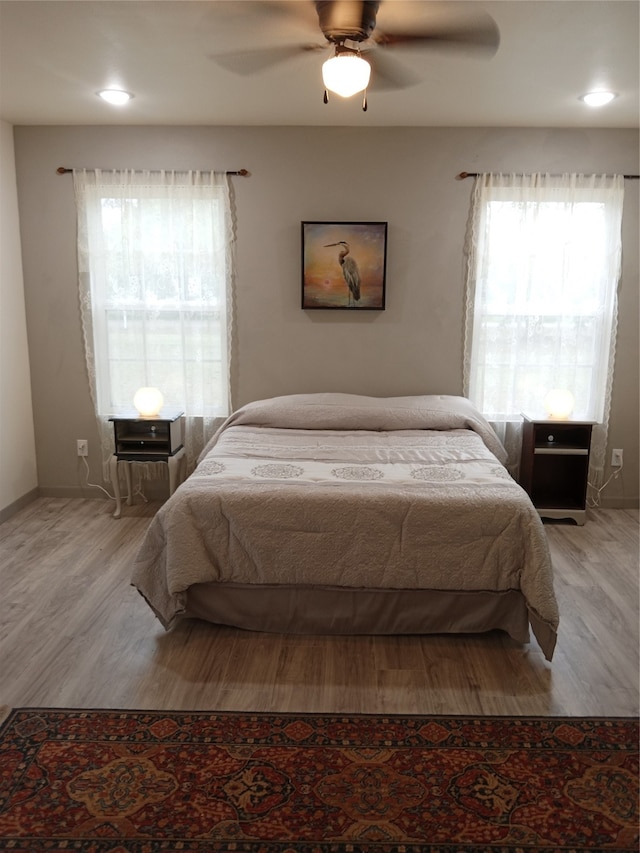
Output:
x,y
597,99
346,74
118,97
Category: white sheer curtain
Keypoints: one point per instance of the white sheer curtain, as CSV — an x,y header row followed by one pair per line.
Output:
x,y
155,277
544,256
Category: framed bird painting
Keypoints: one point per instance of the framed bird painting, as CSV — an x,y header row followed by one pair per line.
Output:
x,y
344,265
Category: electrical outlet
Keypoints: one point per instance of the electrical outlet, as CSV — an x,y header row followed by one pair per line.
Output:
x,y
616,458
82,446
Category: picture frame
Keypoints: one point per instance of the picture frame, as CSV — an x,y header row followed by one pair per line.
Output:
x,y
344,265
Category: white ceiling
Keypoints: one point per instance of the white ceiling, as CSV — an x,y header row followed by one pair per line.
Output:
x,y
55,54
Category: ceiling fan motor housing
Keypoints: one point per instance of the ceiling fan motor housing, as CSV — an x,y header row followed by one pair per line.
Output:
x,y
347,19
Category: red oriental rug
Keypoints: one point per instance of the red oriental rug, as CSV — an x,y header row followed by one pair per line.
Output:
x,y
163,782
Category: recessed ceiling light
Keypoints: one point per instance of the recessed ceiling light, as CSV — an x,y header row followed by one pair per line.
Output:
x,y
597,99
115,96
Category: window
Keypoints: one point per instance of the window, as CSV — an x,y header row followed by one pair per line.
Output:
x,y
154,262
544,264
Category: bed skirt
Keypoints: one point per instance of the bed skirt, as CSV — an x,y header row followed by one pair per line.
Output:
x,y
334,610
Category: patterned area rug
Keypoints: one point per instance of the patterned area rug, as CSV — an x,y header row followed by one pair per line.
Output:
x,y
159,782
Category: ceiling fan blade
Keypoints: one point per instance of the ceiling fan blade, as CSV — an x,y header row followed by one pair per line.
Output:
x,y
248,62
387,73
459,27
460,41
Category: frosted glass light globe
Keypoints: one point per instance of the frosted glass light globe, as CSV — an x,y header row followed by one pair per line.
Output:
x,y
346,74
559,404
148,401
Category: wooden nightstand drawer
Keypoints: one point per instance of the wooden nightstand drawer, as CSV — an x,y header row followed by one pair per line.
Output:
x,y
149,438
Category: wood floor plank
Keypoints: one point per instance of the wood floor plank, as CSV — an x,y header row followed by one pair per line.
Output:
x,y
75,633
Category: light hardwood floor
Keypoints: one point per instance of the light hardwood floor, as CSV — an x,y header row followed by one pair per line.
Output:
x,y
74,633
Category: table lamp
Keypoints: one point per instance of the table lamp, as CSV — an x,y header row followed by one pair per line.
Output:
x,y
148,401
558,404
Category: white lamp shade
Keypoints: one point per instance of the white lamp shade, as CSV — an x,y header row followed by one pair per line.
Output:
x,y
346,74
148,401
559,403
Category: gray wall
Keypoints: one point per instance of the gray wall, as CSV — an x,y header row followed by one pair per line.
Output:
x,y
405,176
18,476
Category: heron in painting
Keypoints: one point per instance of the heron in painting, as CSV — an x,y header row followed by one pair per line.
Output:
x,y
350,271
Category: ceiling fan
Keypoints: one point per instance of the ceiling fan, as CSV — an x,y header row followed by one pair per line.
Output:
x,y
360,48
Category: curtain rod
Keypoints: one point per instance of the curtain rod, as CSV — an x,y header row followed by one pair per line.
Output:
x,y
61,170
464,175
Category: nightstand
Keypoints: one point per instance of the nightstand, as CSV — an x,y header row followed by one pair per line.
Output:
x,y
554,466
158,438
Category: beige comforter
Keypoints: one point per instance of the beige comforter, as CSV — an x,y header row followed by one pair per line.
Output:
x,y
351,491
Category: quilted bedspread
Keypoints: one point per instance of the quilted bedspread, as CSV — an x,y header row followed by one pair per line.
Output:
x,y
351,491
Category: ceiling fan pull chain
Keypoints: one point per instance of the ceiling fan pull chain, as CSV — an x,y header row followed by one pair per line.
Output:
x,y
326,97
364,102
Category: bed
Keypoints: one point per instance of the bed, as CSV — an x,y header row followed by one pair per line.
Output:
x,y
340,513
